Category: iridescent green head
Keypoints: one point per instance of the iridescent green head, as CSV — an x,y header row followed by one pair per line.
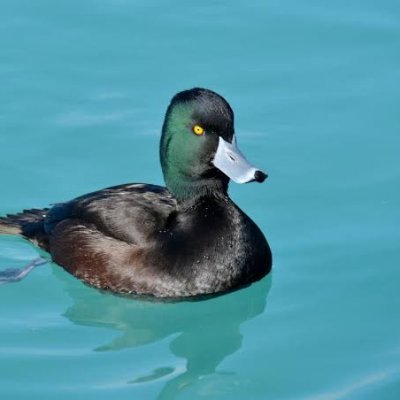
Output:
x,y
198,148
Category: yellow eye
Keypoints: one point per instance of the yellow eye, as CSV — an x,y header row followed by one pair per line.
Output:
x,y
198,130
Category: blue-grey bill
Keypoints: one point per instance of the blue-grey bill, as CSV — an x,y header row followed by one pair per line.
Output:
x,y
230,160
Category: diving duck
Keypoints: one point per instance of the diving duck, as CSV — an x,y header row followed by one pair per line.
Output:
x,y
183,241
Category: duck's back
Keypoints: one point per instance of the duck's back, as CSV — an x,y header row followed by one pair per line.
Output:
x,y
129,213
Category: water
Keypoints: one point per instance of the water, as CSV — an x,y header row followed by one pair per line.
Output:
x,y
315,87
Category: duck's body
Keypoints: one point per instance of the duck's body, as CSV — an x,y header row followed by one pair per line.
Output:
x,y
143,239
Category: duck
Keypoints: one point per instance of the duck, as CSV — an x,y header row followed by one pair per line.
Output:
x,y
186,240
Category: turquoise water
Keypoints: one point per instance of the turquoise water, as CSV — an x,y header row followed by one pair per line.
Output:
x,y
315,87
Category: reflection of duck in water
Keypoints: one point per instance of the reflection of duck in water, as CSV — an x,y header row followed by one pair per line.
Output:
x,y
206,332
186,240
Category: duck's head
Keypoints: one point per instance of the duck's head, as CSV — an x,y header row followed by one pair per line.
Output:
x,y
198,148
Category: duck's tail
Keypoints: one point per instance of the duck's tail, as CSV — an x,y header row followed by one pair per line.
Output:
x,y
28,223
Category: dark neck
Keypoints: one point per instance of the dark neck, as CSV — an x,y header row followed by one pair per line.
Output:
x,y
186,190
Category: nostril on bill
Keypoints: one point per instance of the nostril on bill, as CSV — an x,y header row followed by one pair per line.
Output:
x,y
259,176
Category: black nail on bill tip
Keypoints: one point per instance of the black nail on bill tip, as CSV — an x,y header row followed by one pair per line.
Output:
x,y
259,176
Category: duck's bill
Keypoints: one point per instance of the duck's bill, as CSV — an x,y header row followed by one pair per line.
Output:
x,y
230,160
